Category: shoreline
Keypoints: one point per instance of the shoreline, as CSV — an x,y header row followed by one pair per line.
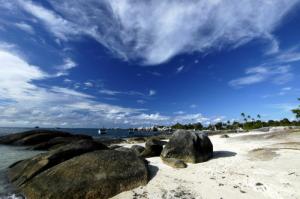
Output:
x,y
246,165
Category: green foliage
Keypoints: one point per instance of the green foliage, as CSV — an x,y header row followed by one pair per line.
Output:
x,y
249,123
297,111
196,126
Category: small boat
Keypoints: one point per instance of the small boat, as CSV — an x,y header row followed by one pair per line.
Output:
x,y
102,131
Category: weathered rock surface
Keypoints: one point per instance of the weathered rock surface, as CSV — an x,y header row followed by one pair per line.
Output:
x,y
40,138
135,140
224,136
192,147
153,148
57,142
138,149
99,174
175,163
23,171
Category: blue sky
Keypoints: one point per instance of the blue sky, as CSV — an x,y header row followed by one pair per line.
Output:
x,y
92,63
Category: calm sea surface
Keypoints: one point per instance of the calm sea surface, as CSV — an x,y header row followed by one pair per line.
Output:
x,y
9,155
111,133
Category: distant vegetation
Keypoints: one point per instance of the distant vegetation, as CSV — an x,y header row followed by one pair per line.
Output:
x,y
248,123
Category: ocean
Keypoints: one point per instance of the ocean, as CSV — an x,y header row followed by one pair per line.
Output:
x,y
10,155
111,133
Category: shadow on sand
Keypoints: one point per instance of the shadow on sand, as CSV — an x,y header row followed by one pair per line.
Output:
x,y
152,171
223,154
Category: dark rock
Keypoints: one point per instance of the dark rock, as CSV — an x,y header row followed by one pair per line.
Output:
x,y
11,138
23,171
124,149
35,137
153,148
113,147
193,147
110,141
175,163
135,140
224,136
138,149
56,142
154,141
99,174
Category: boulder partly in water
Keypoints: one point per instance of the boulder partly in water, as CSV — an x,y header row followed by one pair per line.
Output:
x,y
99,174
192,147
23,171
38,137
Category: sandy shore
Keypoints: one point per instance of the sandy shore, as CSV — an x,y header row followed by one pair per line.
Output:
x,y
250,165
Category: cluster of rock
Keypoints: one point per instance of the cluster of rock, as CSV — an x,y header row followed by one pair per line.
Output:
x,y
76,166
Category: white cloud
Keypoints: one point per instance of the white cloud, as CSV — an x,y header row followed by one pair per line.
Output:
x,y
191,118
179,69
109,92
60,27
68,64
275,74
155,31
157,74
25,27
291,55
152,92
23,103
179,112
152,117
193,106
65,67
88,84
141,101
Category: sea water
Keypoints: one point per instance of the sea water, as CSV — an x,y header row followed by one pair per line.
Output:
x,y
8,156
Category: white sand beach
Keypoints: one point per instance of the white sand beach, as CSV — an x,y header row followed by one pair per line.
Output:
x,y
247,165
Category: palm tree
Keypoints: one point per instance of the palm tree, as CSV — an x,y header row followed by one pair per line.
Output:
x,y
243,114
258,116
297,111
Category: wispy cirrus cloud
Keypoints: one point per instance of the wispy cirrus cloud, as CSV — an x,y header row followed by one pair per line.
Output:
x,y
152,92
290,55
64,68
275,74
179,69
24,103
25,27
155,31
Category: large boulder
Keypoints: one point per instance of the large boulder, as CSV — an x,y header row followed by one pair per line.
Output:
x,y
99,174
138,149
135,140
192,147
153,147
57,142
23,171
175,163
36,137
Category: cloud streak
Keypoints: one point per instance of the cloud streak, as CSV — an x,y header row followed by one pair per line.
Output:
x,y
24,103
152,32
275,74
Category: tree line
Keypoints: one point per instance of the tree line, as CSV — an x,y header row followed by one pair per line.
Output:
x,y
248,123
